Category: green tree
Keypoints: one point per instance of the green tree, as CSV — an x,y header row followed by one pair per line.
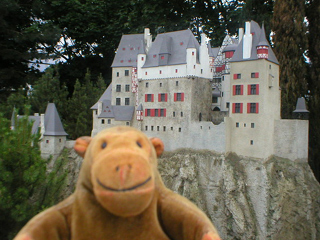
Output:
x,y
22,171
48,89
22,32
290,46
313,16
26,185
79,119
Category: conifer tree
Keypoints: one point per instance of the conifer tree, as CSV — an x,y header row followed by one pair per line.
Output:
x,y
290,45
47,89
26,187
22,171
313,16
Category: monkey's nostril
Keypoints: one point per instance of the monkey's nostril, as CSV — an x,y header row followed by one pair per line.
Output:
x,y
117,168
130,166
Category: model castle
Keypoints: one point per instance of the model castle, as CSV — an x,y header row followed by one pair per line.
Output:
x,y
224,99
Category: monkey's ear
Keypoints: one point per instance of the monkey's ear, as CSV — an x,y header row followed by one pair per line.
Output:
x,y
158,145
81,145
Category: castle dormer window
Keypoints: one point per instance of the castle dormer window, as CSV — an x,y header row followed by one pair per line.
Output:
x,y
154,56
162,57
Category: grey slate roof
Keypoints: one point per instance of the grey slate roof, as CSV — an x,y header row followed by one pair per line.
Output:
x,y
301,106
230,47
107,110
213,52
52,122
174,44
119,113
128,49
238,55
105,96
140,107
36,123
262,39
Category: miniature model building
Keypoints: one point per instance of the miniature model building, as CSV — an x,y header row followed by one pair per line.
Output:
x,y
175,88
53,136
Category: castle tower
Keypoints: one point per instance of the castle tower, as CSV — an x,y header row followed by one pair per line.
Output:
x,y
54,136
263,46
255,104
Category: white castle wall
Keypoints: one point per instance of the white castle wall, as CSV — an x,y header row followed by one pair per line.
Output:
x,y
52,145
291,139
196,135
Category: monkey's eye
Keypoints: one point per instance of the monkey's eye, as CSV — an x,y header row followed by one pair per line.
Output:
x,y
103,145
139,144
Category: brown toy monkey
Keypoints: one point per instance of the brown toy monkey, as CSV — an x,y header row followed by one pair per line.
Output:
x,y
120,196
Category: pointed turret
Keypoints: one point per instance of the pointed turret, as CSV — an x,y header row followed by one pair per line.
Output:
x,y
139,113
52,123
263,46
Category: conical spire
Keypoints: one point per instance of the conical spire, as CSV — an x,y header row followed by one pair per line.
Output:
x,y
263,39
52,122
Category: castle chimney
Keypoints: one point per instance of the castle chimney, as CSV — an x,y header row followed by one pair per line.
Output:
x,y
247,41
240,34
147,39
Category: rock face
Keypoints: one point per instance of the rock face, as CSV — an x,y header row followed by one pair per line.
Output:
x,y
247,198
244,198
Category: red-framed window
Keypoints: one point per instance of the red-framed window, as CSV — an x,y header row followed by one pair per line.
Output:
x,y
253,89
149,97
255,75
237,107
178,97
162,97
162,57
252,107
237,76
176,70
237,89
160,112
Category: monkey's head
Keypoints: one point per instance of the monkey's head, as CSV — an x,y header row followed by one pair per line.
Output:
x,y
120,165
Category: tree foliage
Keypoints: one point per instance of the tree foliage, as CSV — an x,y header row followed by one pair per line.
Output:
x,y
313,16
290,46
21,172
25,186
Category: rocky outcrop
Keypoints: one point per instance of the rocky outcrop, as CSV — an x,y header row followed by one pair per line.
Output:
x,y
247,198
